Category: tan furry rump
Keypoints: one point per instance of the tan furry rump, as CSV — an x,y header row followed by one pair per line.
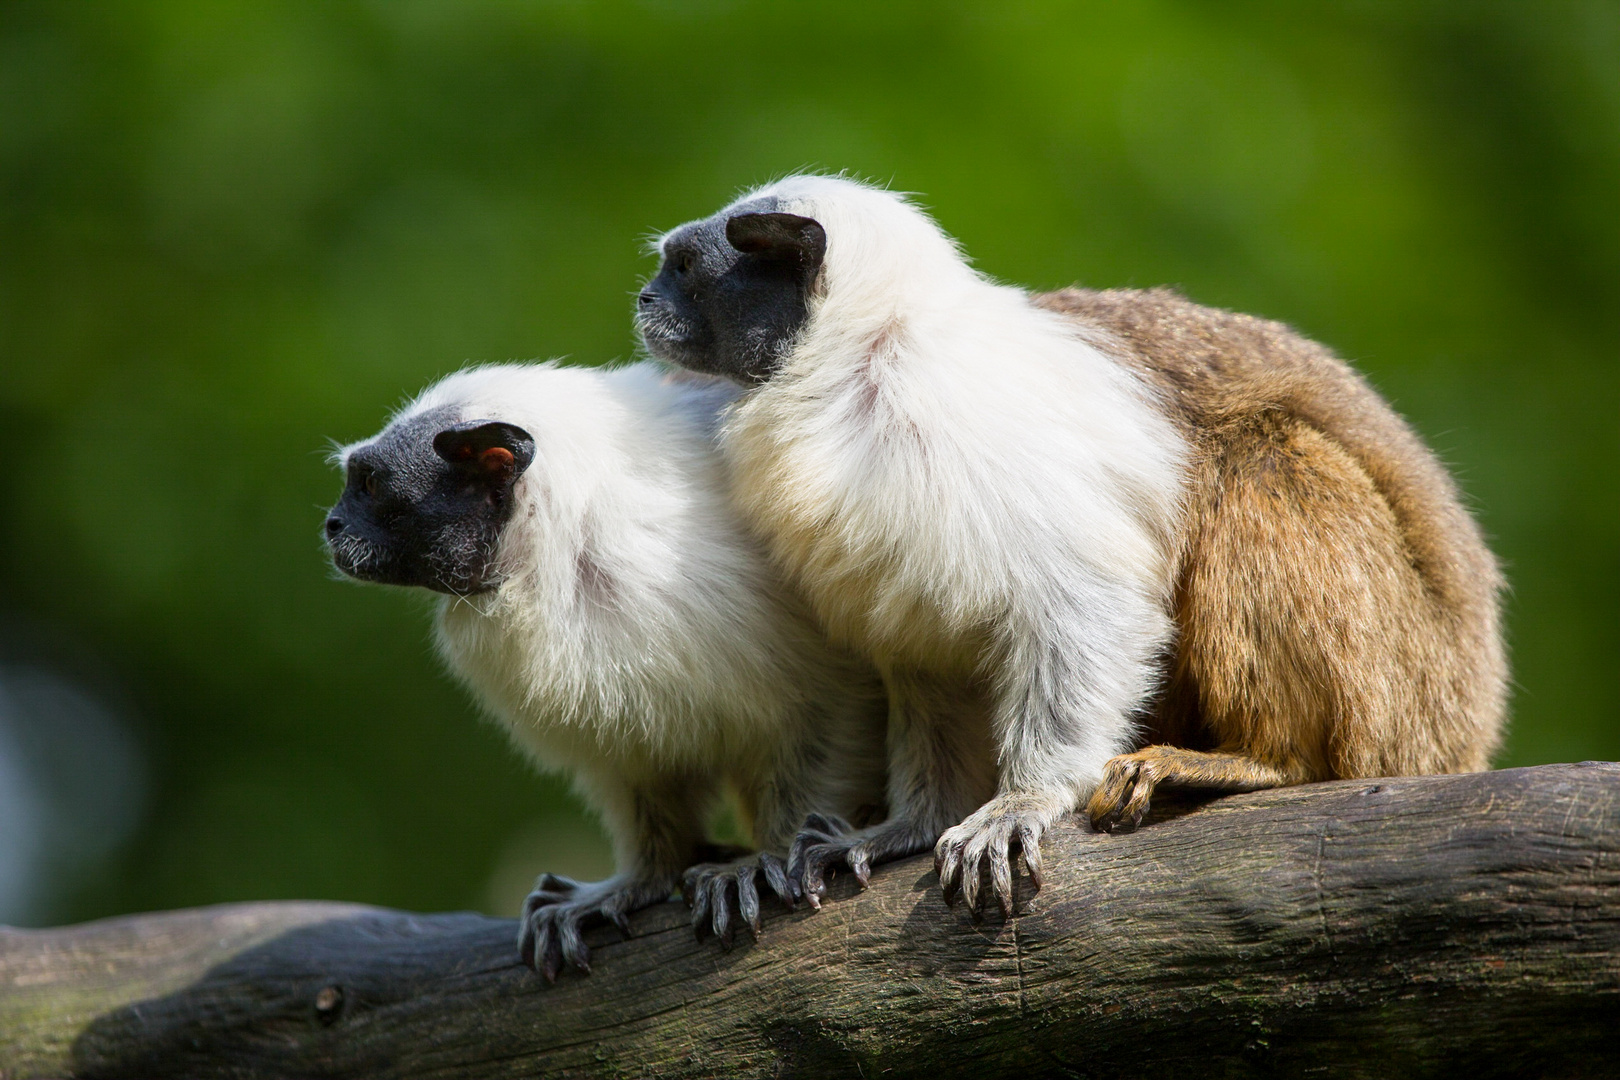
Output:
x,y
1336,607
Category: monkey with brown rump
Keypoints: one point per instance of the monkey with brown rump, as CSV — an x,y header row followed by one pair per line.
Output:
x,y
1095,542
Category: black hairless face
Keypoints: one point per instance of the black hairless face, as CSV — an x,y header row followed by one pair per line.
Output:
x,y
733,291
426,500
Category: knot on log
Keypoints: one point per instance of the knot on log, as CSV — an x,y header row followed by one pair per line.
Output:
x,y
329,1004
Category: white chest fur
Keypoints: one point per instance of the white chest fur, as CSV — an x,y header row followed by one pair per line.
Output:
x,y
931,476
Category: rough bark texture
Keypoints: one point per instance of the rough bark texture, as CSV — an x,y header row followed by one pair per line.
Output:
x,y
1412,927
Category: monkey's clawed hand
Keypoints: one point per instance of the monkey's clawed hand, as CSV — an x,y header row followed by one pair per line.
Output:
x,y
985,844
724,894
559,908
824,843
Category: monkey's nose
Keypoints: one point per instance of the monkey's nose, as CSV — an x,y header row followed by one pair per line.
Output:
x,y
334,525
647,299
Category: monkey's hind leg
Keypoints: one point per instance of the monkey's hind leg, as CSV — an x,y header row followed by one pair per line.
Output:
x,y
1309,646
656,829
1121,800
941,765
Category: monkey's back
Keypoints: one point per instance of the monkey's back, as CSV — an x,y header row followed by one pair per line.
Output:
x,y
1336,605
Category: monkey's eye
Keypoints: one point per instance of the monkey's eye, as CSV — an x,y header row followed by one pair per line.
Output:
x,y
366,477
683,262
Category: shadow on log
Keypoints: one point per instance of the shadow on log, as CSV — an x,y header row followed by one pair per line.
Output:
x,y
1424,926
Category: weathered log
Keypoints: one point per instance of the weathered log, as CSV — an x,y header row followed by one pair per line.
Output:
x,y
1430,926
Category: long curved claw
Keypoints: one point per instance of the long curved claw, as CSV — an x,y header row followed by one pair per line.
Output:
x,y
806,864
1001,875
824,842
821,865
748,899
551,933
1029,843
728,895
970,881
700,910
948,864
777,878
860,863
548,950
799,853
571,944
720,905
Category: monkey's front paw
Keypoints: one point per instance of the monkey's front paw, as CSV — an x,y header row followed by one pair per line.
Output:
x,y
1121,800
722,894
985,844
559,908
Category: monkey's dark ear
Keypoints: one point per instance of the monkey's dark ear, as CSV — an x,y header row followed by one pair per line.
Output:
x,y
788,237
486,448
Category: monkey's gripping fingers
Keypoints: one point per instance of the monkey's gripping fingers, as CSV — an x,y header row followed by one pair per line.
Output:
x,y
984,846
826,844
817,829
823,844
559,909
552,935
724,894
1121,800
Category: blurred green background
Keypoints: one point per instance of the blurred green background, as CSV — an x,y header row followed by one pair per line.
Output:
x,y
231,231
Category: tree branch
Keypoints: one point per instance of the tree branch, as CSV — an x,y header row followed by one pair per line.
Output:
x,y
1415,926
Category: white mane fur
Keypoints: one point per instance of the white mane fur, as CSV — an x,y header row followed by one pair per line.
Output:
x,y
935,443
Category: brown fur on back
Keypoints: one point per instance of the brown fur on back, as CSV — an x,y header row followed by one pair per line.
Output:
x,y
1336,606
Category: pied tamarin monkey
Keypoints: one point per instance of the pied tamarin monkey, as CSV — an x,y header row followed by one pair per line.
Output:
x,y
1095,542
603,599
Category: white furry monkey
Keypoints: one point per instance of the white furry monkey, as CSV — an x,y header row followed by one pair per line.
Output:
x,y
604,600
1060,524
